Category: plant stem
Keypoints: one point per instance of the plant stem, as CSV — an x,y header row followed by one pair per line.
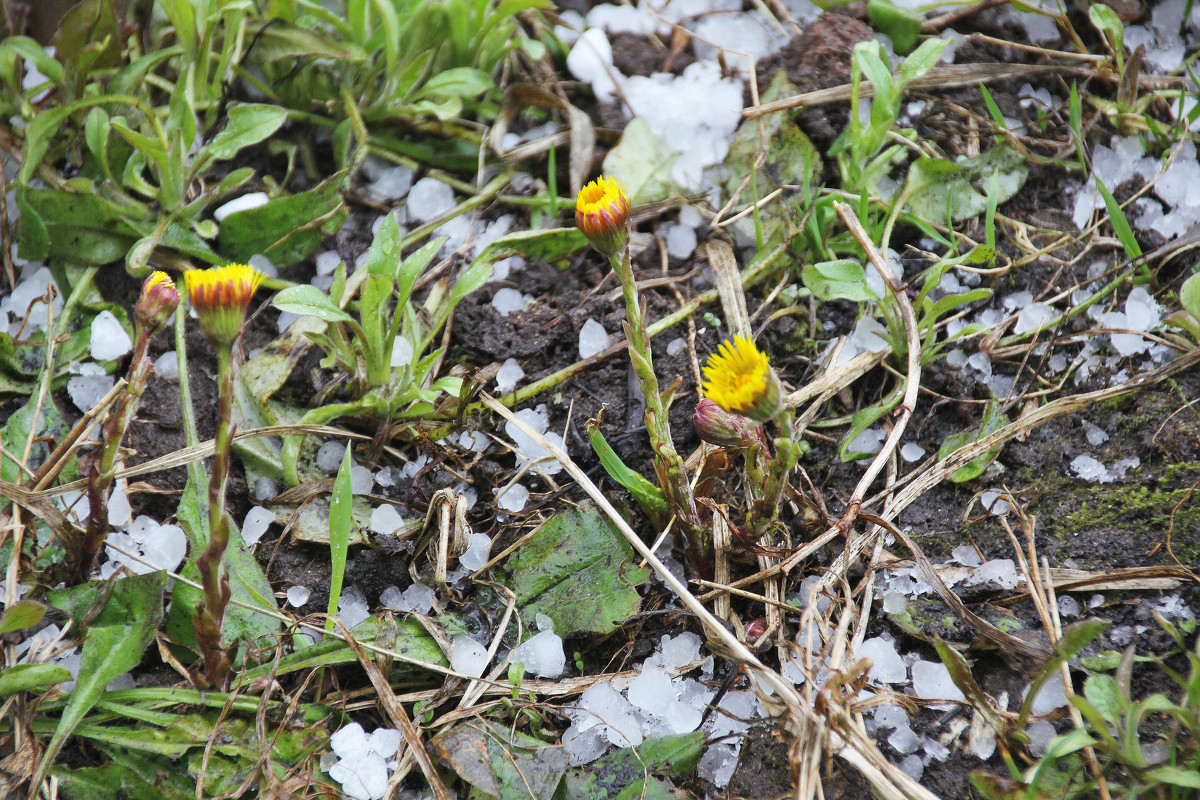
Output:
x,y
668,465
100,476
765,510
210,615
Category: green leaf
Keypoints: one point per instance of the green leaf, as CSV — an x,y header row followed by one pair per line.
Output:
x,y
21,614
1189,295
623,774
1075,637
1120,224
340,522
286,230
249,123
577,569
500,762
903,25
1103,692
31,677
307,300
647,495
109,651
136,777
541,246
74,226
843,279
865,419
993,420
461,82
642,163
933,185
1188,778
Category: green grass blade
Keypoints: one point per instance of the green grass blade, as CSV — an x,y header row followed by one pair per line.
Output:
x,y
339,533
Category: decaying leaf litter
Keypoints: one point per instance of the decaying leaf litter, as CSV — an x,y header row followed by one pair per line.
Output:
x,y
1020,325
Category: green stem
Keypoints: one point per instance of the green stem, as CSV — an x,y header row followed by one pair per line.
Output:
x,y
667,463
765,510
210,615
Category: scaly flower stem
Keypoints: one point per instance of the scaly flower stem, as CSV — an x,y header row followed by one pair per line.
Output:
x,y
667,463
210,615
765,510
100,475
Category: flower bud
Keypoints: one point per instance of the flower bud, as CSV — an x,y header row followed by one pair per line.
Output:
x,y
157,303
602,213
717,426
739,379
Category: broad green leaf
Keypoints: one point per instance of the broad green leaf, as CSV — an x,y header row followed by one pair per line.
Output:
x,y
31,677
21,614
903,25
249,123
75,226
123,780
286,230
460,82
577,569
622,774
541,246
109,651
923,59
1103,692
933,185
993,421
642,163
1189,295
412,267
647,495
307,300
500,762
384,257
843,279
1176,776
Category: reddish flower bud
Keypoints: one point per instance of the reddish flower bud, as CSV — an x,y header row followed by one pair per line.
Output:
x,y
157,303
717,426
755,628
602,213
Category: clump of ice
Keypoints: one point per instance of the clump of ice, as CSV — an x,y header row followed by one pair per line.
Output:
x,y
166,366
1033,317
89,387
417,598
1000,572
26,299
509,373
298,596
109,339
352,607
528,449
614,713
329,456
932,681
364,762
1040,734
994,503
591,61
912,452
1053,695
625,19
867,337
479,546
1094,433
257,520
159,546
593,339
1091,469
428,199
740,35
663,100
361,479
513,498
243,203
886,664
402,351
868,441
386,520
681,241
390,184
542,654
468,656
508,300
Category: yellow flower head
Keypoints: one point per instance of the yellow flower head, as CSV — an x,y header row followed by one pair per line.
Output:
x,y
221,296
739,378
157,303
602,213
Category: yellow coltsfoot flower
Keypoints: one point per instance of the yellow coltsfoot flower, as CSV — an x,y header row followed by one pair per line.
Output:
x,y
602,213
221,296
739,378
157,303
